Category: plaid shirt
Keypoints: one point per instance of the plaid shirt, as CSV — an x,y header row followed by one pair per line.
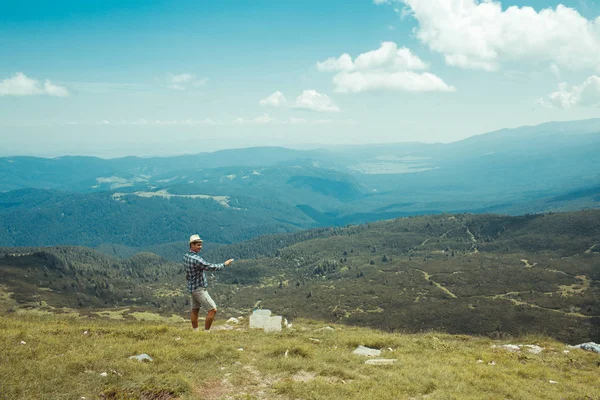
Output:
x,y
194,270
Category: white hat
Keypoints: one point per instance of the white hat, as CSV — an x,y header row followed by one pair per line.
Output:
x,y
195,238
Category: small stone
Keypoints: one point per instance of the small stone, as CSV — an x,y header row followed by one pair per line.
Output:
x,y
534,348
141,357
103,374
366,351
551,381
22,342
85,332
314,340
566,351
325,328
380,361
241,349
233,320
479,361
492,363
177,338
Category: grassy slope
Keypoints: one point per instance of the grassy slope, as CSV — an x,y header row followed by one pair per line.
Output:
x,y
59,361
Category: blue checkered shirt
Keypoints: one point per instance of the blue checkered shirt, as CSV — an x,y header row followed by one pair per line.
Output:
x,y
194,270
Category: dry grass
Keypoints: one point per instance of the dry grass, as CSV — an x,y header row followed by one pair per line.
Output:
x,y
59,360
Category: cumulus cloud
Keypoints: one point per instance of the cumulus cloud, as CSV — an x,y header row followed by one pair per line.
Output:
x,y
386,68
481,35
315,101
184,81
21,85
387,56
277,99
308,100
586,94
406,81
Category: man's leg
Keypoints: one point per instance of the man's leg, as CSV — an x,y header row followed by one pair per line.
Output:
x,y
209,319
194,318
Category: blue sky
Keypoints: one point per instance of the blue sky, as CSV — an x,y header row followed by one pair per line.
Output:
x,y
117,78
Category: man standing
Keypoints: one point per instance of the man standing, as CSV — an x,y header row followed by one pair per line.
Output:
x,y
196,282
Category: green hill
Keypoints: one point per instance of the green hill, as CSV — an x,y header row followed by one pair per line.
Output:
x,y
467,274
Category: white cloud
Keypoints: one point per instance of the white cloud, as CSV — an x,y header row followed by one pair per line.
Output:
x,y
406,81
55,90
307,100
480,35
315,101
387,68
184,81
158,122
260,120
387,56
586,94
343,63
22,85
277,99
297,121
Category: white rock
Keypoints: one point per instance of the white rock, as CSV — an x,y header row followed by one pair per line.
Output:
x,y
85,332
510,347
479,361
22,342
492,363
141,357
103,374
262,319
233,320
325,328
532,348
241,349
551,381
380,361
566,351
366,351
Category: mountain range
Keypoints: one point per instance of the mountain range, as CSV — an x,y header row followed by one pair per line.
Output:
x,y
125,205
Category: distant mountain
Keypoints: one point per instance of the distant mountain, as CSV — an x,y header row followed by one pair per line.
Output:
x,y
234,195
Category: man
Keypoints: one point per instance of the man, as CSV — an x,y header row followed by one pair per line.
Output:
x,y
196,282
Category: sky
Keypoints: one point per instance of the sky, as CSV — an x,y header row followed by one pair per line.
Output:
x,y
114,78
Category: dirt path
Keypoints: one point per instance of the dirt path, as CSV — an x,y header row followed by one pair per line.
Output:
x,y
428,278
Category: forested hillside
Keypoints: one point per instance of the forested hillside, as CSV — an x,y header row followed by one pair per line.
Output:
x,y
462,273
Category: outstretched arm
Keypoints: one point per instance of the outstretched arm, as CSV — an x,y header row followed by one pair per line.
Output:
x,y
200,263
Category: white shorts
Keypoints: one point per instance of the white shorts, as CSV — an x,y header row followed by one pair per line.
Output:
x,y
200,297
